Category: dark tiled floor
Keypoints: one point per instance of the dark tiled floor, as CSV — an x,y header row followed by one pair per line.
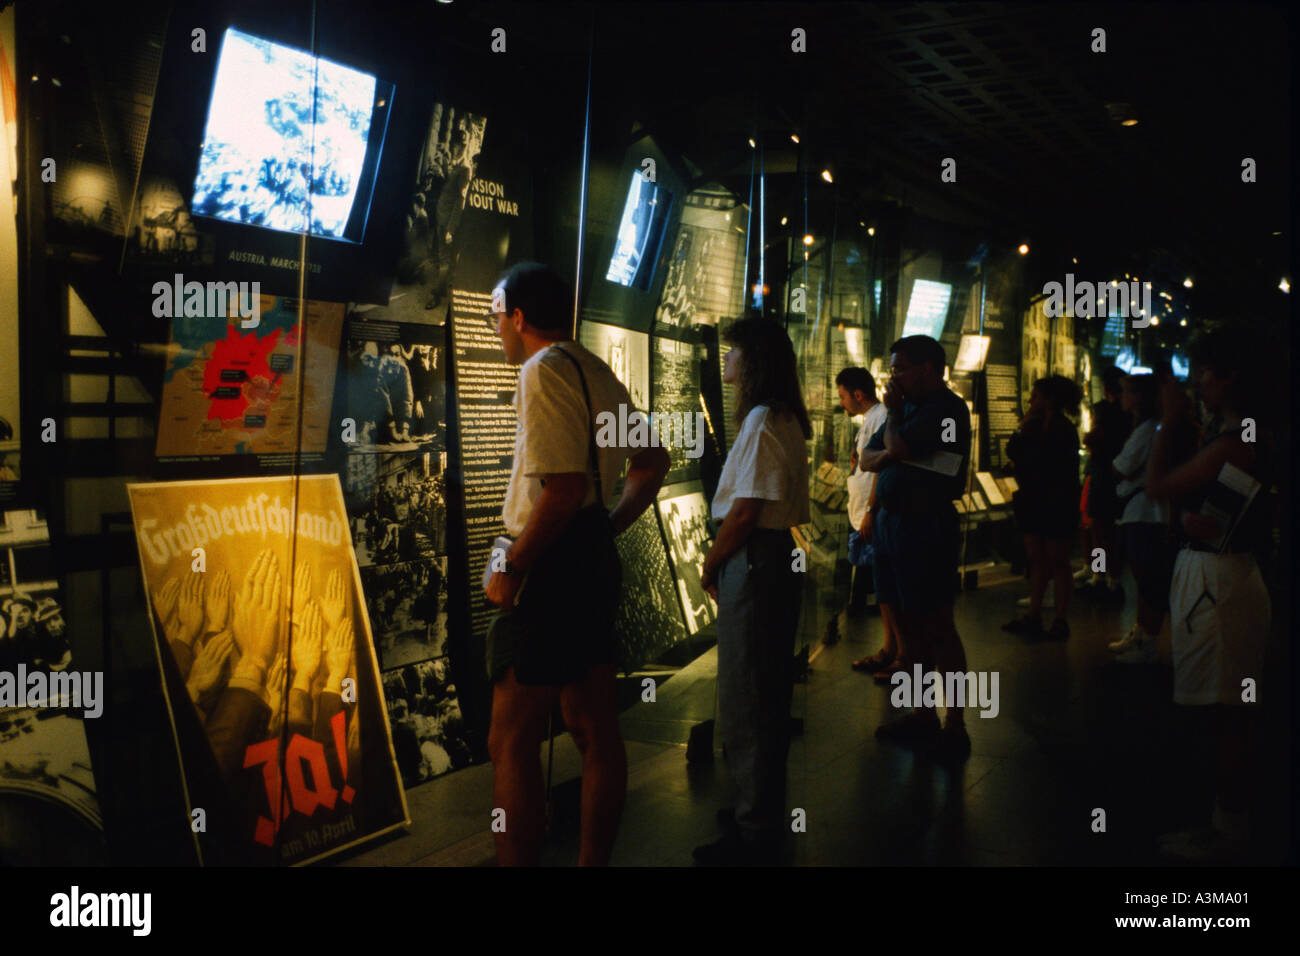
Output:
x,y
1076,732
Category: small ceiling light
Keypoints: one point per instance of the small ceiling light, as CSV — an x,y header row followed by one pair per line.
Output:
x,y
1147,284
56,82
1187,283
826,175
871,230
1155,320
1024,249
1122,113
752,144
807,240
1284,286
1075,260
1183,323
794,138
784,220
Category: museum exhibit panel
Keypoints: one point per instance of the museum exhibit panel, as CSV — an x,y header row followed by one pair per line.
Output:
x,y
257,427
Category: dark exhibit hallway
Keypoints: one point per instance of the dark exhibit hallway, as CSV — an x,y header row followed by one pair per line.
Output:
x,y
1075,732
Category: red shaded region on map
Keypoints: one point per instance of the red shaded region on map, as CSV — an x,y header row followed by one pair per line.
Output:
x,y
248,353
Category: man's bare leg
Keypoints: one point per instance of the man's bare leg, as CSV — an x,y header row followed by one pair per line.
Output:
x,y
949,655
591,714
519,715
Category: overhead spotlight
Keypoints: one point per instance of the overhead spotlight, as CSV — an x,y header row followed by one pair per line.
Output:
x,y
1024,249
794,138
1122,113
862,224
1187,283
1155,320
1183,323
826,175
752,144
808,240
1147,284
1075,260
784,220
1284,286
871,230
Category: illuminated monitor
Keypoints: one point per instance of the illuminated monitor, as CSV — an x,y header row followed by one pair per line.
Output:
x,y
640,233
1181,366
1112,337
291,141
927,310
1126,360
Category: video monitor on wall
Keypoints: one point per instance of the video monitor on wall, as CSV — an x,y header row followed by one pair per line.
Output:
x,y
292,141
927,310
640,233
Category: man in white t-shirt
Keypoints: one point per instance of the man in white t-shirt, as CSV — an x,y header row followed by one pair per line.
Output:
x,y
857,390
540,645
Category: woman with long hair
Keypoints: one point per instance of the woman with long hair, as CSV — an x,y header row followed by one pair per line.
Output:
x,y
762,493
1045,453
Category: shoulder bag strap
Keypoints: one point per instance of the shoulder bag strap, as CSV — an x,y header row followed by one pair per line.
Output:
x,y
591,432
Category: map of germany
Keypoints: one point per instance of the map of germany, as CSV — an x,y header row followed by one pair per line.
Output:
x,y
234,391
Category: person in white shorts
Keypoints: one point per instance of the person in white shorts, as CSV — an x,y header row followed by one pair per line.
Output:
x,y
1219,607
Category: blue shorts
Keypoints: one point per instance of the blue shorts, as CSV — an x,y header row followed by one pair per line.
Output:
x,y
916,558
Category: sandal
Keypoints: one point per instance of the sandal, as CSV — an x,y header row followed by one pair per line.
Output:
x,y
884,675
877,661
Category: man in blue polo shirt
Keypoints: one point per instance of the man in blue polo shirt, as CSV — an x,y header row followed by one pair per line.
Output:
x,y
921,454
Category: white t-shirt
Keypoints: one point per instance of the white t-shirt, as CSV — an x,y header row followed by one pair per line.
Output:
x,y
553,432
1132,460
769,460
861,482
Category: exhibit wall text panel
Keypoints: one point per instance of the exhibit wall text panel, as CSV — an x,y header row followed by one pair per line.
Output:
x,y
495,231
268,663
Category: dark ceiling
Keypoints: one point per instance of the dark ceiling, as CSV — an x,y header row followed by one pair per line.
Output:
x,y
1012,92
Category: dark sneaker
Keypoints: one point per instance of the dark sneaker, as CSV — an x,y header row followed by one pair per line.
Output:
x,y
1027,626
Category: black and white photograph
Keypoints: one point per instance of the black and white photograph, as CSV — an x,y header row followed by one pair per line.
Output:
x,y
429,734
686,526
675,366
394,387
397,506
448,161
704,281
407,603
626,352
649,617
44,750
